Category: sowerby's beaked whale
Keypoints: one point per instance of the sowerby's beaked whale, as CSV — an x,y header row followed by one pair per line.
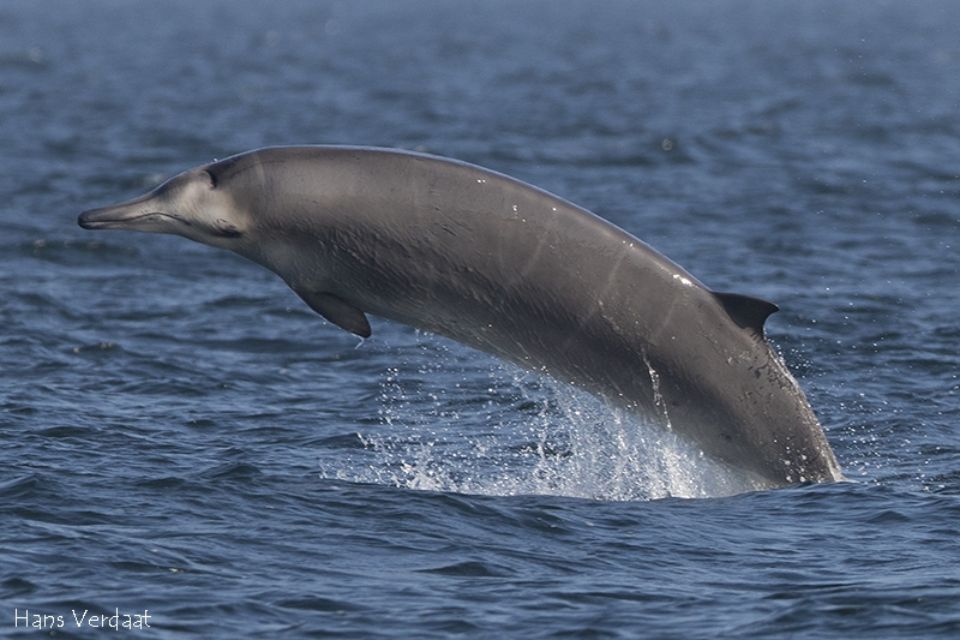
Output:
x,y
509,269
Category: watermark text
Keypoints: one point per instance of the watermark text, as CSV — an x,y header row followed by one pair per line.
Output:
x,y
82,619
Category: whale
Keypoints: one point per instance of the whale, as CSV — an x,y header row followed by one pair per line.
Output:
x,y
509,269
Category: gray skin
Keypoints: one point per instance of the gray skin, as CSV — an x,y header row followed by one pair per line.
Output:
x,y
511,270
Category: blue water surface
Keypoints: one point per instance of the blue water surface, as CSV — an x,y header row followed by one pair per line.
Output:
x,y
182,436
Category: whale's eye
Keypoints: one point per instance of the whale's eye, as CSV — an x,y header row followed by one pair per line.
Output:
x,y
211,178
227,229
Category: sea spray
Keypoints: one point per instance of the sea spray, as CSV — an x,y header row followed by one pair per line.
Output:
x,y
519,433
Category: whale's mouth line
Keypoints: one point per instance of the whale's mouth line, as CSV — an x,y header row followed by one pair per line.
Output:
x,y
114,223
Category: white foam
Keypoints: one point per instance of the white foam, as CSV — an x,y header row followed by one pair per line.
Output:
x,y
517,433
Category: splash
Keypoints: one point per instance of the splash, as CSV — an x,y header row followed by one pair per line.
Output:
x,y
494,429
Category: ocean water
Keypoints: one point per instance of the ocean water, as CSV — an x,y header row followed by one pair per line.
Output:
x,y
181,436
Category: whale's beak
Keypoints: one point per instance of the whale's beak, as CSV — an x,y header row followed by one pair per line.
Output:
x,y
103,218
120,216
139,214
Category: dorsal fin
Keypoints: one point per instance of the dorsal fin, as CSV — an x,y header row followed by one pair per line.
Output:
x,y
748,312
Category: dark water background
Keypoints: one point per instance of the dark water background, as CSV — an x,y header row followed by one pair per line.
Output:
x,y
178,432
